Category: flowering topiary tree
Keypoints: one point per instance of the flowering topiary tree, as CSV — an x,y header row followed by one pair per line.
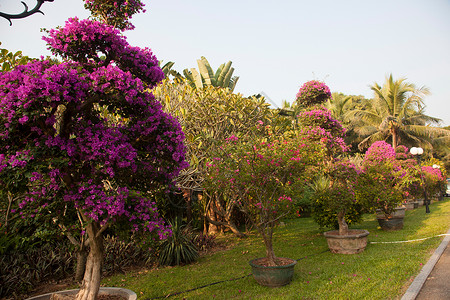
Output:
x,y
262,176
312,93
334,200
383,181
86,137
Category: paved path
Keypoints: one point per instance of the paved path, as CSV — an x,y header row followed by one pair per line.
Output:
x,y
433,282
437,285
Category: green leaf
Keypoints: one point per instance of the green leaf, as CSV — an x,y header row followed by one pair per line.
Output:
x,y
223,74
197,78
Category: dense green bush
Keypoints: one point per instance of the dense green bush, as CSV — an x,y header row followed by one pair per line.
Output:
x,y
21,271
23,266
327,217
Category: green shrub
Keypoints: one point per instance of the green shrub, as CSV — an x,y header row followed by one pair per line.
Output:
x,y
327,217
21,271
178,248
120,254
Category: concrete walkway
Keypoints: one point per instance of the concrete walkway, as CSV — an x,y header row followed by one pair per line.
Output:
x,y
433,282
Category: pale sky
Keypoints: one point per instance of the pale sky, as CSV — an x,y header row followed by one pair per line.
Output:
x,y
276,46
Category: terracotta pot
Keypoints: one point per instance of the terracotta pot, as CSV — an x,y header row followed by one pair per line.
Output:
x,y
354,242
273,276
392,222
127,294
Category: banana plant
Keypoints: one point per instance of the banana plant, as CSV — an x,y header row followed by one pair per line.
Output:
x,y
167,69
205,76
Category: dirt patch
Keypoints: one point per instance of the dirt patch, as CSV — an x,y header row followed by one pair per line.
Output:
x,y
279,261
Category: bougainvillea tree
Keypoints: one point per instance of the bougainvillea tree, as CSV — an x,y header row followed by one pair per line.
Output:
x,y
317,123
262,176
87,136
383,181
334,198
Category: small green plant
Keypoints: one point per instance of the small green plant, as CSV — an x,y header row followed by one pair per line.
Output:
x,y
178,248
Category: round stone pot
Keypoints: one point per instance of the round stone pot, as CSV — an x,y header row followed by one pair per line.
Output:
x,y
354,242
126,293
273,276
394,221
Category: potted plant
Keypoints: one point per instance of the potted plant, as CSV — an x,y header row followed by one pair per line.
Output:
x,y
263,175
336,189
382,185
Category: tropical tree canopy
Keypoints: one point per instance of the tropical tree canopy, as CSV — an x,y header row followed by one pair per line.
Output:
x,y
396,114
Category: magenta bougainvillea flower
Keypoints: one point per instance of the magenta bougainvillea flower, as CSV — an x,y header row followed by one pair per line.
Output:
x,y
313,92
87,131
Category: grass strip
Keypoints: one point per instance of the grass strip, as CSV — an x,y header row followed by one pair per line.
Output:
x,y
382,271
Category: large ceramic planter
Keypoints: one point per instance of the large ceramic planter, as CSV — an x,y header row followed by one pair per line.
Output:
x,y
125,293
353,242
410,205
392,222
273,276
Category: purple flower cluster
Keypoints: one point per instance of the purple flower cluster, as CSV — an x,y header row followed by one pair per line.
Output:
x,y
321,117
319,125
88,131
313,92
378,152
86,41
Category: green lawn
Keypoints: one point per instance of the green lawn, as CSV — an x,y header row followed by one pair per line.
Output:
x,y
382,271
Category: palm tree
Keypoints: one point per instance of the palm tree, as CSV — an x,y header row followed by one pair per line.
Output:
x,y
397,114
339,105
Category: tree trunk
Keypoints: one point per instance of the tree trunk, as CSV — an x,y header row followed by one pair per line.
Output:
x,y
91,281
211,217
270,254
394,138
234,229
343,226
81,263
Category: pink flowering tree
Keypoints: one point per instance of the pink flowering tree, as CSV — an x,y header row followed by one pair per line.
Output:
x,y
86,138
262,176
333,202
384,180
434,180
